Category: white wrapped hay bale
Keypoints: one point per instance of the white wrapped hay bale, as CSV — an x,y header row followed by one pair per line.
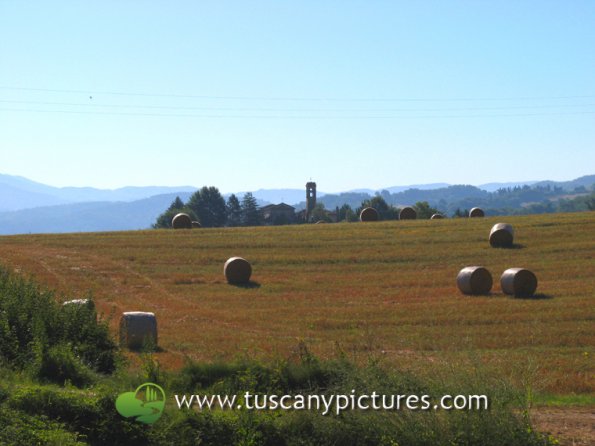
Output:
x,y
138,328
519,282
181,221
237,270
368,214
474,280
407,213
436,217
476,212
501,235
78,302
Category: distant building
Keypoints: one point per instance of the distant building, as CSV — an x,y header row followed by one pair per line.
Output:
x,y
310,199
278,214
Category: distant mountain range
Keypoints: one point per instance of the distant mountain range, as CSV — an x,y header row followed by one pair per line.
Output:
x,y
88,217
21,193
18,193
30,207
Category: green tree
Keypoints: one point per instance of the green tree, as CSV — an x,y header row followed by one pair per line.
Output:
x,y
385,212
208,204
251,215
424,210
177,206
319,213
234,211
345,213
461,214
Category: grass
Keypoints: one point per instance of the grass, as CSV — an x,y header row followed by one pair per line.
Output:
x,y
379,290
34,412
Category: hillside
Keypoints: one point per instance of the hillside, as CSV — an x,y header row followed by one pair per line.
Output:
x,y
368,290
30,207
87,217
21,193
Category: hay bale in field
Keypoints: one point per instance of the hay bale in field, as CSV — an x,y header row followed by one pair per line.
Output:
x,y
436,217
78,302
181,221
407,213
368,214
196,224
501,235
476,212
138,328
518,282
237,270
320,221
474,280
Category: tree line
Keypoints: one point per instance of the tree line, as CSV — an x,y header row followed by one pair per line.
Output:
x,y
454,200
209,208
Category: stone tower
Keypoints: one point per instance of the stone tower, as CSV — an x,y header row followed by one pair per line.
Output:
x,y
310,198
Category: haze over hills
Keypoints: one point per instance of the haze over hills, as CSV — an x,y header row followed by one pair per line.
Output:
x,y
30,207
89,216
18,193
21,193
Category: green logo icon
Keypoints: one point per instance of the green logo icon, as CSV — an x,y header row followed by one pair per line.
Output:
x,y
145,405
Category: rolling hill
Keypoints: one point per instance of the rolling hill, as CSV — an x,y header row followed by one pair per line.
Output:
x,y
21,193
87,217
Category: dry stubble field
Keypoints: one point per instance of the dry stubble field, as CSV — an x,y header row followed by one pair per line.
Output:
x,y
383,290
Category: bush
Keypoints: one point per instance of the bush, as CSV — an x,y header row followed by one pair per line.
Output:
x,y
57,342
59,364
18,428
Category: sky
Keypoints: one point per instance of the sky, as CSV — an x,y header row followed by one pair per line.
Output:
x,y
245,95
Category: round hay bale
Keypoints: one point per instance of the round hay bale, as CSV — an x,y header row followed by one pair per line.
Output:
x,y
196,224
476,212
181,221
138,328
237,270
436,217
474,280
518,282
501,235
78,302
368,214
407,213
320,221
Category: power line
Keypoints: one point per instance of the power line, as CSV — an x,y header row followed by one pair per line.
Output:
x,y
292,117
272,98
165,107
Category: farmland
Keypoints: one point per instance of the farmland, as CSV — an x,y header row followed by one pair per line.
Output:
x,y
381,290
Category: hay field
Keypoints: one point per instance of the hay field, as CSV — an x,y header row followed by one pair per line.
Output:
x,y
384,290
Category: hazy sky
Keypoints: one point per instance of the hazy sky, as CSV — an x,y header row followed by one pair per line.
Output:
x,y
253,94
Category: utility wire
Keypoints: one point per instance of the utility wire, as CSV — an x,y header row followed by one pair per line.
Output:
x,y
164,107
264,98
293,117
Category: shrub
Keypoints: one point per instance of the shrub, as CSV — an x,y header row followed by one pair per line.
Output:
x,y
59,364
62,342
19,428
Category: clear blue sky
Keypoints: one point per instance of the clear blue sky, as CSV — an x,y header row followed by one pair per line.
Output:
x,y
268,94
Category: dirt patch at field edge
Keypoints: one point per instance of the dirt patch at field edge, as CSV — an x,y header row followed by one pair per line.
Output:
x,y
571,426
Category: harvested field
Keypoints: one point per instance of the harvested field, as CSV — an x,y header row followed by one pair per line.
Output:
x,y
386,290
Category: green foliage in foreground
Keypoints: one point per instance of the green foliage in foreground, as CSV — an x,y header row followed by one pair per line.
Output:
x,y
52,414
53,342
43,341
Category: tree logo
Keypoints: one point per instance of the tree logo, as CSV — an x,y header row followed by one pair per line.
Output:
x,y
145,405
